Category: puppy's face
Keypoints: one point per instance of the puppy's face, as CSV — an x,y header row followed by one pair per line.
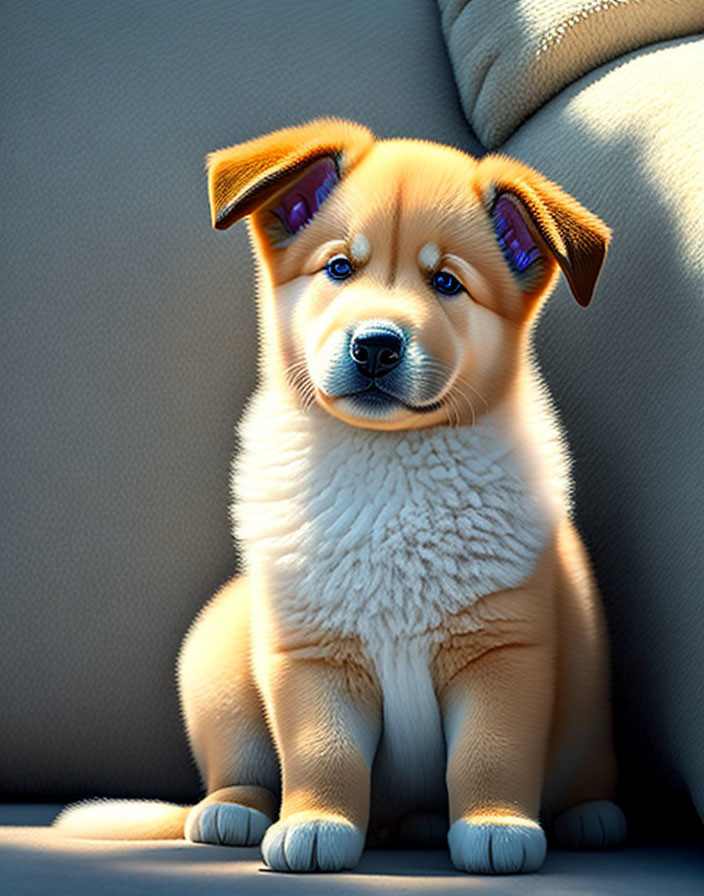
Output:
x,y
400,277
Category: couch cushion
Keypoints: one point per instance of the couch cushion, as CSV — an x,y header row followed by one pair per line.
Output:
x,y
510,56
628,141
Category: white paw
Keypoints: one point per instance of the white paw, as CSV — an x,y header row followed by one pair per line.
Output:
x,y
226,824
514,847
304,842
598,824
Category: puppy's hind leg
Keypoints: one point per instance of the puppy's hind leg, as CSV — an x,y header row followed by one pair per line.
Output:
x,y
226,725
593,820
581,777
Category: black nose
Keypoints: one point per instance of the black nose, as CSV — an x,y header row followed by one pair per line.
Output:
x,y
376,350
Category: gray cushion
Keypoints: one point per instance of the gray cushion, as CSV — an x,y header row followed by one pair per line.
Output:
x,y
128,340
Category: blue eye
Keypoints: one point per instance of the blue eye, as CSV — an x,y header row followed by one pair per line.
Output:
x,y
446,283
339,268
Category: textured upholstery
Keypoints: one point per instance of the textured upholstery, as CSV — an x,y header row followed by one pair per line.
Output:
x,y
628,141
128,340
510,56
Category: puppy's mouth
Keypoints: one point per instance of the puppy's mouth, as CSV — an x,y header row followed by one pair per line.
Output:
x,y
376,398
380,375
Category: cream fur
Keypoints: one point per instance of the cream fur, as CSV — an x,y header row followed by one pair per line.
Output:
x,y
410,763
429,256
123,820
360,249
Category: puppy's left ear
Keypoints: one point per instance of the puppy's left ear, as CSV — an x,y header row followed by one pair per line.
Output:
x,y
536,222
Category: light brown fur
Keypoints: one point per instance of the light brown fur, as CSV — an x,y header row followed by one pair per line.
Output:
x,y
521,675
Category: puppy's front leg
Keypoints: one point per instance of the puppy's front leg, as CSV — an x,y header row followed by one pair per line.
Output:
x,y
326,720
496,713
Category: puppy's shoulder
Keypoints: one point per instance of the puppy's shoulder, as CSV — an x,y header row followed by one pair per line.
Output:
x,y
531,423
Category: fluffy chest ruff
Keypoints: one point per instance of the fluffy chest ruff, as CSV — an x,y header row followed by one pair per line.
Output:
x,y
382,535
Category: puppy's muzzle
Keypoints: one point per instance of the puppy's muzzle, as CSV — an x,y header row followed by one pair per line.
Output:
x,y
377,349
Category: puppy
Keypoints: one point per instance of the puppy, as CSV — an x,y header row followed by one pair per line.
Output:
x,y
415,652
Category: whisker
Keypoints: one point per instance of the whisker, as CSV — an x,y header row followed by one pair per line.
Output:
x,y
446,407
298,379
459,394
294,369
463,381
308,396
456,417
438,364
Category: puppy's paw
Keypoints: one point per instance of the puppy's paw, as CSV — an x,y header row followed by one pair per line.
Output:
x,y
226,824
501,846
310,841
598,824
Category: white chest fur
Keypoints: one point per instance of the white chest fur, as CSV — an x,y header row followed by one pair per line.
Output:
x,y
382,535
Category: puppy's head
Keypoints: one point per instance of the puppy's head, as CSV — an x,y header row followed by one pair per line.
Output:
x,y
398,278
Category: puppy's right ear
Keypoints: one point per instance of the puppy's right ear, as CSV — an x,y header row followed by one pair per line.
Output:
x,y
242,178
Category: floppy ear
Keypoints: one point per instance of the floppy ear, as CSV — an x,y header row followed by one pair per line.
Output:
x,y
535,221
242,178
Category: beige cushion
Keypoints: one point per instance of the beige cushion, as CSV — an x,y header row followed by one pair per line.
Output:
x,y
627,373
510,56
